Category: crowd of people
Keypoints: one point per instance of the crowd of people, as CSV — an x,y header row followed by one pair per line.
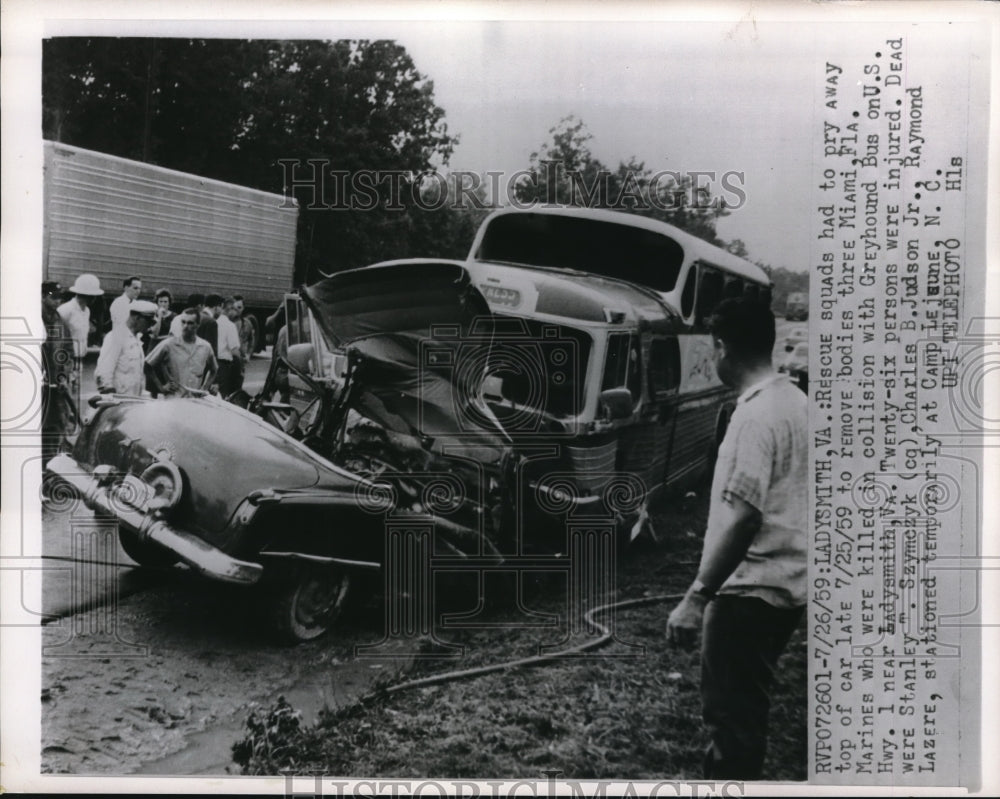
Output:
x,y
203,348
749,593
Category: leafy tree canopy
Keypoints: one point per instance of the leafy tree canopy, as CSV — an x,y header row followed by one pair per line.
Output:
x,y
254,113
564,171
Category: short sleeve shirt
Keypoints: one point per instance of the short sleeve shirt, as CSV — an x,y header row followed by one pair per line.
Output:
x,y
229,340
185,363
77,319
763,460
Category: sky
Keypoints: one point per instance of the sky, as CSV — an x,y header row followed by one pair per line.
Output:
x,y
685,96
679,96
692,97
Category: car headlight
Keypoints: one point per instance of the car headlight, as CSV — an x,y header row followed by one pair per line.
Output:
x,y
165,479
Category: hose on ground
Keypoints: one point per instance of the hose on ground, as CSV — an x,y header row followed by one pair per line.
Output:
x,y
536,660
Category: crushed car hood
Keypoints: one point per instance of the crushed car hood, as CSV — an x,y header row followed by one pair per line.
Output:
x,y
394,298
419,335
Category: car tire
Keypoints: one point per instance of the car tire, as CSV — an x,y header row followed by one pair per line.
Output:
x,y
306,603
145,553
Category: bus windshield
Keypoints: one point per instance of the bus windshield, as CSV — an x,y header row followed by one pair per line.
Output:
x,y
604,248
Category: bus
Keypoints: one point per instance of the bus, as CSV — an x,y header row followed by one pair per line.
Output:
x,y
633,295
592,357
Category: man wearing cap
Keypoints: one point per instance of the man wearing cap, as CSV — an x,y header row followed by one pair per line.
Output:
x,y
57,373
120,366
76,312
131,287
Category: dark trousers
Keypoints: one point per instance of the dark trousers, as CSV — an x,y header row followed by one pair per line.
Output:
x,y
741,642
226,378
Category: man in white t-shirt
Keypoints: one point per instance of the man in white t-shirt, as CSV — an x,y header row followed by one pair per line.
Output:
x,y
228,348
76,312
750,591
131,287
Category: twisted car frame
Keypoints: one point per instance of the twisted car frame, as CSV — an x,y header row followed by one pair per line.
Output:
x,y
495,403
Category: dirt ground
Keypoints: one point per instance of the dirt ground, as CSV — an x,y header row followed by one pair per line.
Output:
x,y
163,684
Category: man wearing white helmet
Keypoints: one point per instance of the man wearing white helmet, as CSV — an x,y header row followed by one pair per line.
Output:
x,y
121,364
76,312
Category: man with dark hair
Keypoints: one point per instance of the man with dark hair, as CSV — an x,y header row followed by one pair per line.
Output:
x,y
750,591
195,302
209,327
245,329
228,351
131,287
181,364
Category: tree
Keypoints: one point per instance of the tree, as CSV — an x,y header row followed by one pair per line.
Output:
x,y
786,282
256,113
565,172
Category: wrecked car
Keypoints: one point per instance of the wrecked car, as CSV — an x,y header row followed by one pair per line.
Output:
x,y
301,508
504,403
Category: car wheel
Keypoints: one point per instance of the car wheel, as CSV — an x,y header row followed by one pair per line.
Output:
x,y
308,602
145,553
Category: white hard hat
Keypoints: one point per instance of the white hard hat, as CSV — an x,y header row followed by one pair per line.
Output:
x,y
87,284
143,308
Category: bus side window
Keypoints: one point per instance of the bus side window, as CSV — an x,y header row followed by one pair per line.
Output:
x,y
664,365
634,369
687,296
616,363
734,288
709,295
621,367
752,292
765,295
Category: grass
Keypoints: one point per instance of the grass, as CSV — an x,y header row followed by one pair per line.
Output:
x,y
617,715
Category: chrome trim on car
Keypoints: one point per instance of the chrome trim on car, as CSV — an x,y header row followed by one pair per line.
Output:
x,y
323,559
131,510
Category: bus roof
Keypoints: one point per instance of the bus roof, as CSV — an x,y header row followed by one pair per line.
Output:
x,y
690,247
579,297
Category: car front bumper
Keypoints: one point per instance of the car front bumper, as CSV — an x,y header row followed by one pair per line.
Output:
x,y
192,550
